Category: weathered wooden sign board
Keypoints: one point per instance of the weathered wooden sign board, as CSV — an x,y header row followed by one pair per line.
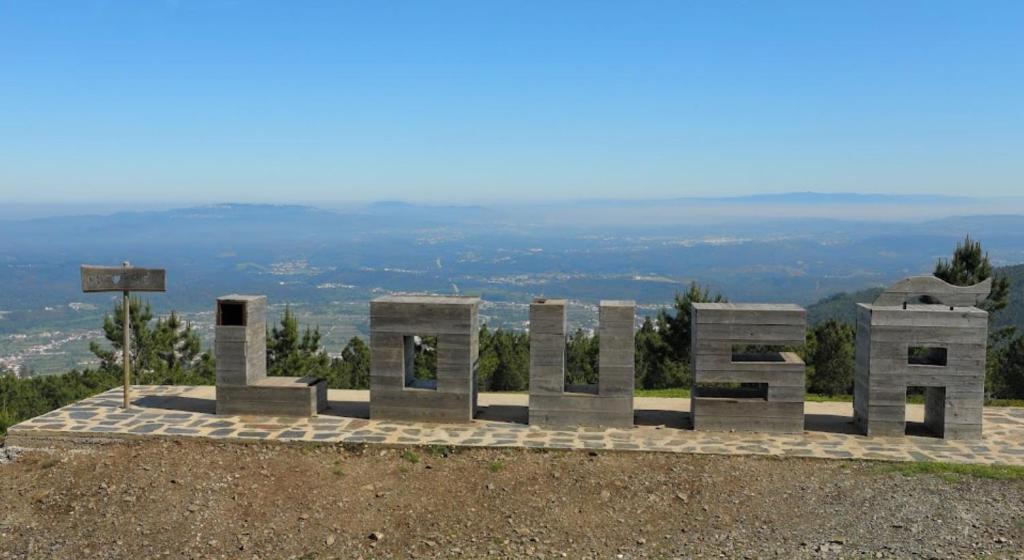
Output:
x,y
124,279
121,279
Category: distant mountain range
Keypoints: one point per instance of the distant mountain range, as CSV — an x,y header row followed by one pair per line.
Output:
x,y
801,198
860,206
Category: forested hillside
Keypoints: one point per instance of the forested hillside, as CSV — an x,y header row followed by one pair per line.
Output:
x,y
841,307
1013,314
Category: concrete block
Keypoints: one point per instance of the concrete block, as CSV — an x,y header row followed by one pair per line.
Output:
x,y
716,329
885,367
242,384
395,393
610,402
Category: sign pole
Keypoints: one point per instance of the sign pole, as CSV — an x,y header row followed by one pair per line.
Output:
x,y
124,279
126,347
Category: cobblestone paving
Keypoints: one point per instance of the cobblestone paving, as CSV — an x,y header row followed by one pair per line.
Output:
x,y
165,411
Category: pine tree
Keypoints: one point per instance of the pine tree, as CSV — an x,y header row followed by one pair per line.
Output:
x,y
970,265
290,353
512,353
168,352
581,358
1008,381
357,355
488,360
676,329
655,368
831,361
425,362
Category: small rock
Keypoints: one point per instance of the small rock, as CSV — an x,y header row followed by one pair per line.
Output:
x,y
329,540
376,536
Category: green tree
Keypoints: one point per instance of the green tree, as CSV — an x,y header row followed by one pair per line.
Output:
x,y
656,367
970,265
663,344
676,328
22,398
511,371
581,358
488,360
357,355
1007,377
167,352
350,370
290,353
425,361
831,364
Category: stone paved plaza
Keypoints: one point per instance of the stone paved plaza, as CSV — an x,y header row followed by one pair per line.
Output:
x,y
662,426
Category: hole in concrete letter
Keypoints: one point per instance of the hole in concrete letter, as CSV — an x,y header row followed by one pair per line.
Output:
x,y
926,356
582,356
758,353
231,314
421,362
930,423
732,390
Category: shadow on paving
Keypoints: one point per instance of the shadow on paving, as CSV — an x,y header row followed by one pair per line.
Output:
x,y
830,423
515,414
177,403
667,418
347,409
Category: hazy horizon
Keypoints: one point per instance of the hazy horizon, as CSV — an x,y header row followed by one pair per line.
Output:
x,y
780,205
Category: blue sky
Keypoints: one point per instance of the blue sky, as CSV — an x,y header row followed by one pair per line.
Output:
x,y
328,102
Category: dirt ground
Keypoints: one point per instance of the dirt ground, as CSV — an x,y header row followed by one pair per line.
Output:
x,y
165,499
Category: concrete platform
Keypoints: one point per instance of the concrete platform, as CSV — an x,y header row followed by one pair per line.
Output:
x,y
662,426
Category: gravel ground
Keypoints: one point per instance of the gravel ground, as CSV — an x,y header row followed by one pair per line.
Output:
x,y
164,499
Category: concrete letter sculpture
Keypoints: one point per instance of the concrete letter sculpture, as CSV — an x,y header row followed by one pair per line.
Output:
x,y
241,350
395,392
910,290
771,395
940,348
610,402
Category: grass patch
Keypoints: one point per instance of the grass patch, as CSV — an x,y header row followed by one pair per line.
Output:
x,y
814,397
438,450
496,466
1005,402
411,456
953,472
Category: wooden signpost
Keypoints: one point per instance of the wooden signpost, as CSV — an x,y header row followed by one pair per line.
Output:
x,y
124,279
